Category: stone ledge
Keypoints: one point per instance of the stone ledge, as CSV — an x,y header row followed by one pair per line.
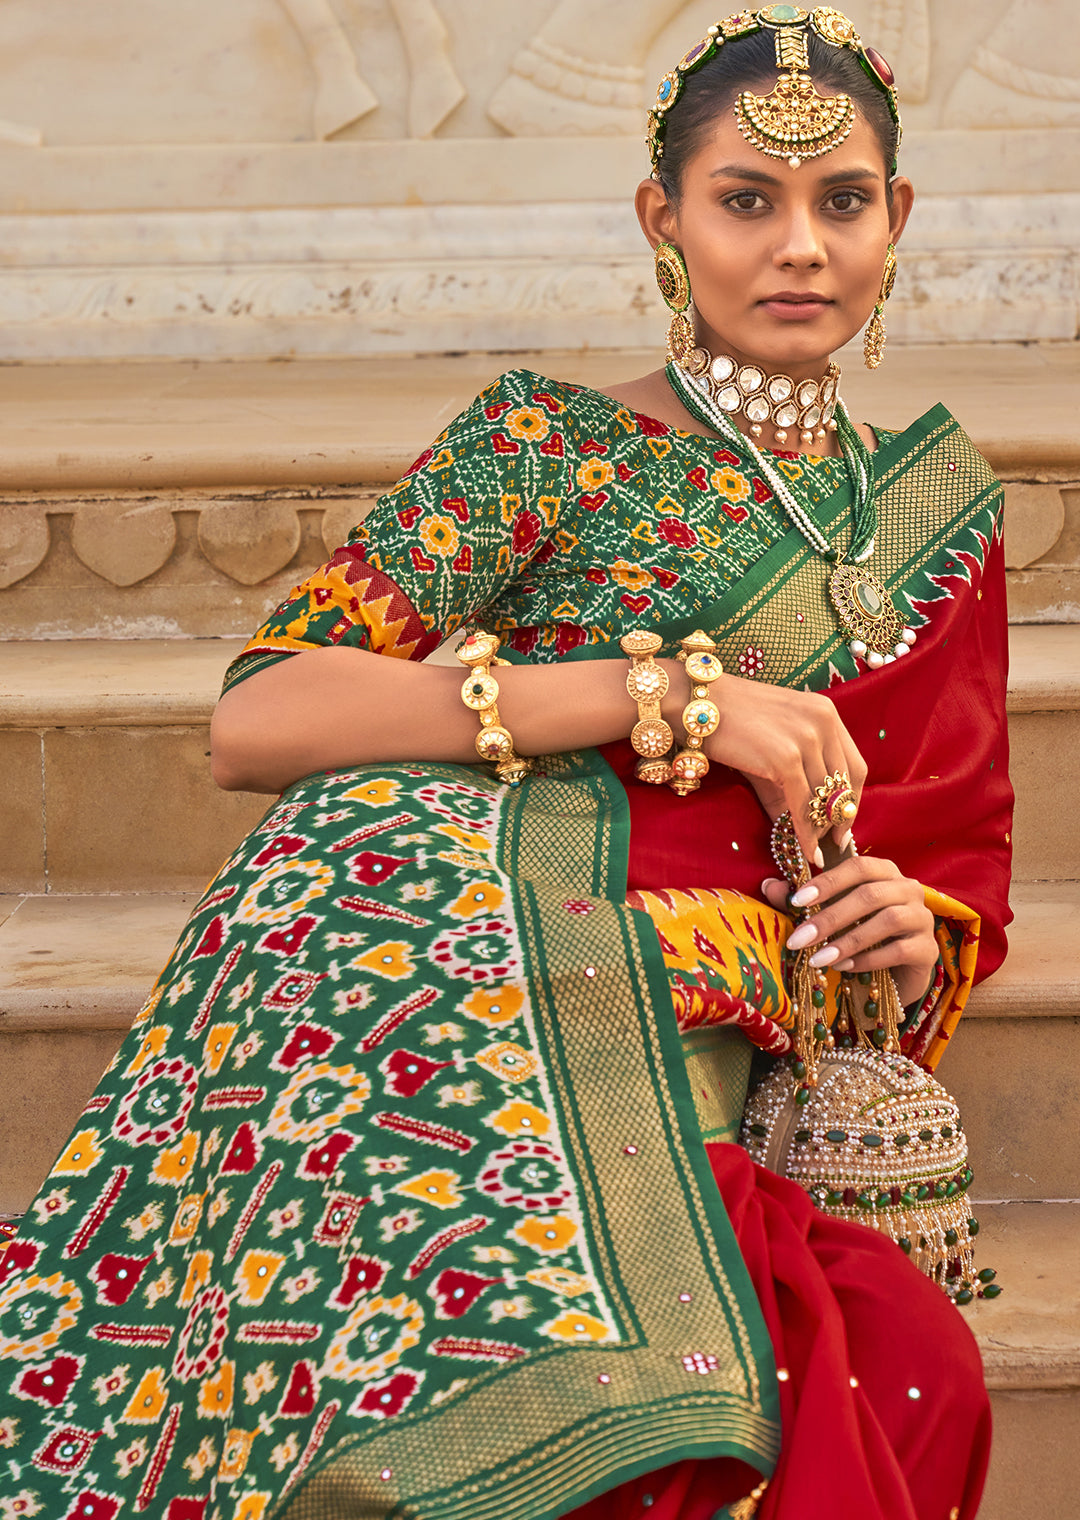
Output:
x,y
359,421
1041,977
1030,1336
90,683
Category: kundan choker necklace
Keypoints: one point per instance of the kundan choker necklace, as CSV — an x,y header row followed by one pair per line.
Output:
x,y
863,606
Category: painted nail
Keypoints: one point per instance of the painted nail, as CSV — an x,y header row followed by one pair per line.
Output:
x,y
804,935
818,858
825,956
770,881
848,965
805,896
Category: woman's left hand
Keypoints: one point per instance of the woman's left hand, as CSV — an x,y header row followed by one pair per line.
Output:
x,y
868,917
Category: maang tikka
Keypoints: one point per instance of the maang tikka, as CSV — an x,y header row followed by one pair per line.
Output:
x,y
874,337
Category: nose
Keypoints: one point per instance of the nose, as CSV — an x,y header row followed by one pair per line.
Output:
x,y
799,244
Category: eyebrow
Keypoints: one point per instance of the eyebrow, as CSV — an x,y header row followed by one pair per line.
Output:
x,y
758,177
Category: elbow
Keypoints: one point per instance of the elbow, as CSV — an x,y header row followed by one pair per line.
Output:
x,y
233,756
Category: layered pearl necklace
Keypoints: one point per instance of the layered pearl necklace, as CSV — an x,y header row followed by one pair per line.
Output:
x,y
863,606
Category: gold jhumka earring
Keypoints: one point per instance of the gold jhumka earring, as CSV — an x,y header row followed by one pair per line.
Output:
x,y
674,284
874,337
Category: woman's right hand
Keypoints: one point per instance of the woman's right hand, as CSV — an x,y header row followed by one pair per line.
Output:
x,y
785,743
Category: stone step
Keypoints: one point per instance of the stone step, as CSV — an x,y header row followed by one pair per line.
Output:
x,y
74,971
183,499
104,745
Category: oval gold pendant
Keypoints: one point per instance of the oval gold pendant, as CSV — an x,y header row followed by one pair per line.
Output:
x,y
865,608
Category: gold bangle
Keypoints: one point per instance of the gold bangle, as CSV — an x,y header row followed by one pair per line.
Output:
x,y
480,692
646,684
701,716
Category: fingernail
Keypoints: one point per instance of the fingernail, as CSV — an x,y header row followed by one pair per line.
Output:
x,y
845,966
844,840
805,896
825,956
804,935
770,881
818,858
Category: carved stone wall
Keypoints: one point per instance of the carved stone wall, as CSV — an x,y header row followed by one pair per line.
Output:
x,y
366,176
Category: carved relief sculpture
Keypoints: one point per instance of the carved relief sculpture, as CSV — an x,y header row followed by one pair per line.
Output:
x,y
1004,84
342,95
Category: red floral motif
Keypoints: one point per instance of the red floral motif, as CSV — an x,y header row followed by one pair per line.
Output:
x,y
761,490
737,514
593,446
293,989
306,1043
455,1292
698,477
20,1256
213,938
650,426
423,459
409,518
156,1109
526,532
384,1400
592,501
243,1153
301,1392
323,1159
118,1276
525,1175
751,662
407,1073
569,636
553,446
94,1506
725,456
676,533
421,562
636,604
49,1382
363,1274
458,506
624,472
67,1450
523,639
370,869
546,399
283,845
666,578
462,563
187,1509
203,1336
597,576
496,410
288,941
503,445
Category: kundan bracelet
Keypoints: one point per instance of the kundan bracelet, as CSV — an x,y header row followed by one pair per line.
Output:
x,y
480,692
647,683
701,716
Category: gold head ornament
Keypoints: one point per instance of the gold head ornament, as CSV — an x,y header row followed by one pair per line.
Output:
x,y
793,121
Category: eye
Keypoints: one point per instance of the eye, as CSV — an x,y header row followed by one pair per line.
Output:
x,y
745,200
846,201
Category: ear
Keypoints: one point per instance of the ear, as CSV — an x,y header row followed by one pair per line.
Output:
x,y
903,198
658,221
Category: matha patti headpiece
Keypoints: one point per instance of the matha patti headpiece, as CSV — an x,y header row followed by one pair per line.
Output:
x,y
793,121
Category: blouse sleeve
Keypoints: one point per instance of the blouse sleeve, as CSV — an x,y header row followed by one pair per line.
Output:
x,y
463,521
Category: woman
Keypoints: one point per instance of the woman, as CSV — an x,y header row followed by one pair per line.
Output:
x,y
395,1199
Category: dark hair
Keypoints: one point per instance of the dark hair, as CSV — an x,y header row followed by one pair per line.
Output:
x,y
750,63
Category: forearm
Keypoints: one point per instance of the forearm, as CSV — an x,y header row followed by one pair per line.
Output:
x,y
332,708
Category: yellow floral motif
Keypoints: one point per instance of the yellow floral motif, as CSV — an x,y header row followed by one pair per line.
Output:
x,y
510,507
160,1287
468,1093
559,1280
578,1327
80,1154
255,1275
730,484
439,536
380,1351
660,448
552,1232
667,504
479,897
792,470
153,1044
173,1165
198,1276
251,1507
147,1403
550,505
435,1034
216,1394
492,1253
65,1300
633,577
234,1458
186,1219
566,611
494,1005
467,837
309,879
390,959
353,1091
528,422
509,1061
140,1225
520,1119
595,473
439,1188
380,792
201,1459
217,1045
510,1308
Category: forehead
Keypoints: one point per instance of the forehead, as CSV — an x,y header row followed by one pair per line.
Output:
x,y
723,144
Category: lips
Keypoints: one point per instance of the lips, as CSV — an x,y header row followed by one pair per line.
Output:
x,y
795,304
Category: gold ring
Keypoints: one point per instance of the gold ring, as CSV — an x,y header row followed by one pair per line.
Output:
x,y
833,804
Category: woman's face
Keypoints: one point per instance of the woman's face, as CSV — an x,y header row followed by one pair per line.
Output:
x,y
785,264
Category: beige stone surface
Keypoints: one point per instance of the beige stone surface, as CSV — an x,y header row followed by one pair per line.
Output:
x,y
1026,1481
1034,520
1046,829
249,541
1044,669
123,543
134,809
1030,1336
85,961
47,1080
362,421
1041,975
1015,1082
24,540
22,831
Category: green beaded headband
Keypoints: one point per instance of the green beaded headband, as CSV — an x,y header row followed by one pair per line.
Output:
x,y
793,122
